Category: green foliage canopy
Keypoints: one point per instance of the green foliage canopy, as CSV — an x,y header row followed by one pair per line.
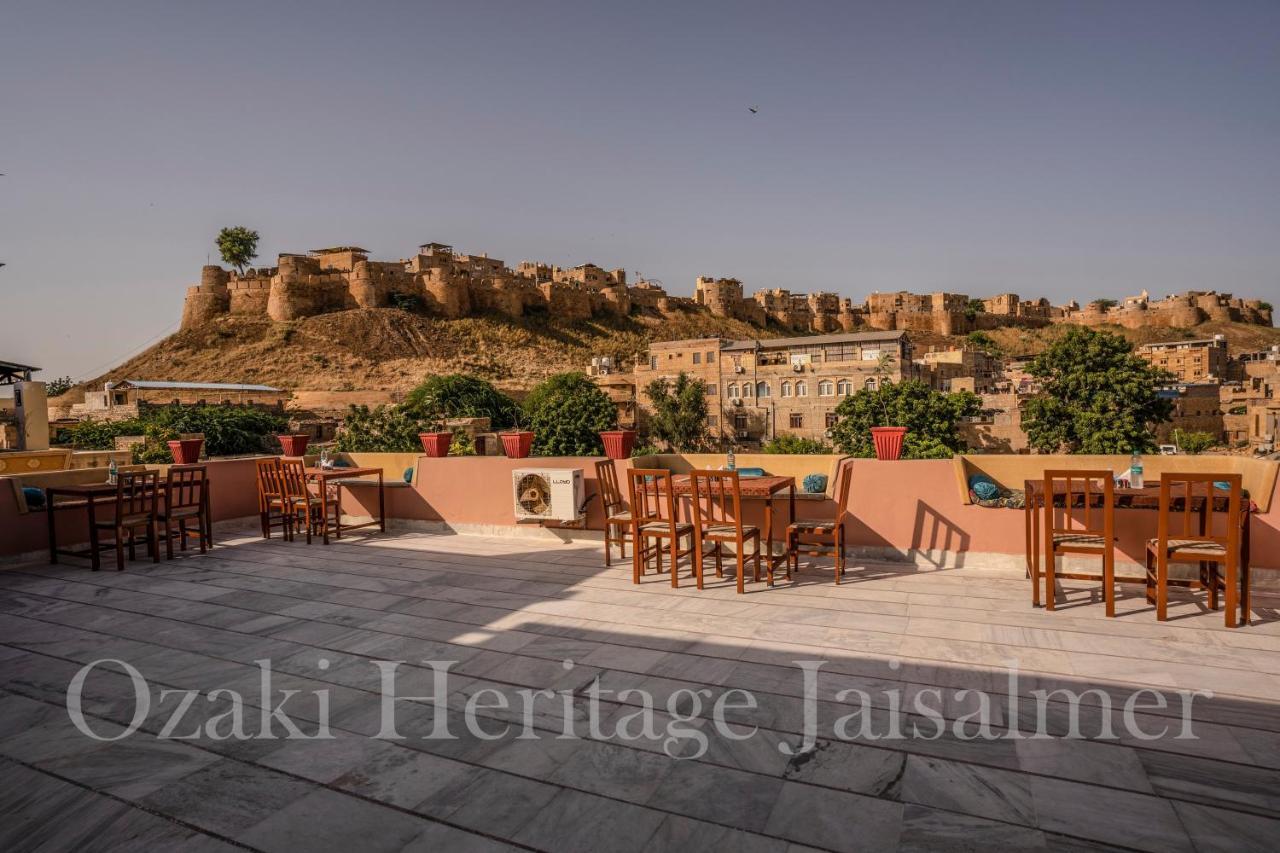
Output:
x,y
385,429
228,431
237,246
679,416
795,445
456,395
58,387
1194,443
567,412
931,417
1096,396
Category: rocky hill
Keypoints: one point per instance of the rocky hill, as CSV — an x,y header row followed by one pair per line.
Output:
x,y
374,355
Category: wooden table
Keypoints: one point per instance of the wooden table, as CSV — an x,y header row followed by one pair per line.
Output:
x,y
1146,498
83,496
754,488
323,476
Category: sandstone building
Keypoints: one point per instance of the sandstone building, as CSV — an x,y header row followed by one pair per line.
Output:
x,y
1189,361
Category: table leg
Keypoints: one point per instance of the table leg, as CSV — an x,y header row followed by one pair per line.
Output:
x,y
382,511
324,510
768,535
53,536
95,559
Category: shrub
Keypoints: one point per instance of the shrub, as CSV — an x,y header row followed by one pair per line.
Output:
x,y
58,387
795,445
228,430
456,395
931,417
92,434
679,416
567,413
1194,442
386,429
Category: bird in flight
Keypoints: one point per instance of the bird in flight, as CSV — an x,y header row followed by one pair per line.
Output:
x,y
753,110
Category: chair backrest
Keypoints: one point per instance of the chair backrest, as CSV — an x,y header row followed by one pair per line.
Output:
x,y
1094,492
186,486
717,499
1184,496
136,492
652,499
293,471
269,485
610,493
844,480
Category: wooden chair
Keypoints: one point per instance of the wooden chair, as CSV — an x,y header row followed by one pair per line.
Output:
x,y
828,535
301,505
654,517
720,521
1080,489
134,509
616,515
271,502
1197,537
186,499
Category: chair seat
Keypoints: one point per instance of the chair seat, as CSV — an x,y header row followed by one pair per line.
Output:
x,y
662,528
718,531
1079,540
129,519
812,526
1196,547
623,517
179,512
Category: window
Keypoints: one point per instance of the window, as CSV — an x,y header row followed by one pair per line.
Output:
x,y
739,421
802,390
870,383
844,387
746,390
762,389
711,358
832,419
732,392
786,389
711,390
653,362
825,388
712,420
697,358
796,421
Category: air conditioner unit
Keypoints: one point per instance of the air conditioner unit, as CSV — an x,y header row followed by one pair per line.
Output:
x,y
738,368
742,433
737,402
798,368
547,494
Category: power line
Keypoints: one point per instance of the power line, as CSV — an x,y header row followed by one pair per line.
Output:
x,y
169,330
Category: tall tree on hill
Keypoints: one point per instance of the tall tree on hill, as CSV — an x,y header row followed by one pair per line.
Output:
x,y
679,412
238,246
1095,396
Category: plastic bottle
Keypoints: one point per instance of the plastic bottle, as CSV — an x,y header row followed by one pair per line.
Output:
x,y
112,472
733,462
1135,470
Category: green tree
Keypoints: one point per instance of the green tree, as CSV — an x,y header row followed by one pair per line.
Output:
x,y
982,341
1104,304
58,387
1194,443
456,395
567,412
795,445
679,412
237,246
1096,396
931,417
386,429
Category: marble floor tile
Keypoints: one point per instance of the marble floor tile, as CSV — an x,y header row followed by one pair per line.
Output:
x,y
328,821
575,822
834,820
227,797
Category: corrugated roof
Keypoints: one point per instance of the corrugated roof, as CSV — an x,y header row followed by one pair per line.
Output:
x,y
192,386
815,340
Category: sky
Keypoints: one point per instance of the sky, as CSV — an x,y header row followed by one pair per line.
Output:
x,y
1069,150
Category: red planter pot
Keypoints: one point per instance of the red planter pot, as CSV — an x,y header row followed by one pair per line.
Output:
x,y
294,445
888,441
618,443
186,451
517,444
436,443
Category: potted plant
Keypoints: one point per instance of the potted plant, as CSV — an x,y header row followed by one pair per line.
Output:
x,y
887,439
436,442
618,443
186,451
517,442
294,444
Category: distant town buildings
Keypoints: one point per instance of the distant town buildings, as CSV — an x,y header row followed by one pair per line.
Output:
x,y
1189,361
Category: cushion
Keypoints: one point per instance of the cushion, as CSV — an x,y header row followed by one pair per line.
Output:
x,y
815,483
983,487
34,496
408,475
750,472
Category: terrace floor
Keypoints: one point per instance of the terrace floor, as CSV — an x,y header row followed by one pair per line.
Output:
x,y
511,612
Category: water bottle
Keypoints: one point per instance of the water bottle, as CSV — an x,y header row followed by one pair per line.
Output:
x,y
1135,470
733,462
112,472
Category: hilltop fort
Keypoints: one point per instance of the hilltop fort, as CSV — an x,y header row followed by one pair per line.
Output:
x,y
444,283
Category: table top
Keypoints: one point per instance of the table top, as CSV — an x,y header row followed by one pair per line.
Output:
x,y
751,487
86,490
334,473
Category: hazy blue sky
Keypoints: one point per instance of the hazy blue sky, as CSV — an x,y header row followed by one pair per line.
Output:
x,y
1071,150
